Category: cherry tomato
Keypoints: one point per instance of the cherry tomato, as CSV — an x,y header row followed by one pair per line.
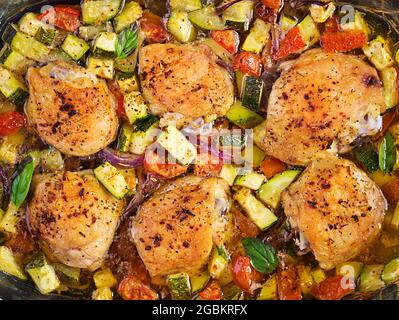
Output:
x,y
288,284
213,291
247,228
131,288
333,288
292,43
273,4
248,63
153,28
265,13
207,165
228,39
271,166
120,99
153,163
63,17
332,25
343,41
244,275
11,122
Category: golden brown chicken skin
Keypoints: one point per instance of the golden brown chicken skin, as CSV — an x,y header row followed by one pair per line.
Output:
x,y
71,109
338,209
73,218
175,230
184,82
322,102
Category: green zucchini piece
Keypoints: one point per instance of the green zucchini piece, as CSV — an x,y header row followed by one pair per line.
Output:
x,y
52,159
379,54
206,18
127,83
390,273
75,47
145,123
14,90
250,180
256,211
218,261
257,37
305,278
252,92
221,52
103,68
99,11
102,294
130,14
232,292
389,77
229,173
46,35
270,192
30,47
135,106
9,264
185,5
88,33
253,155
181,27
318,275
179,286
350,269
309,31
259,133
29,24
104,278
140,140
104,45
321,14
199,281
358,23
125,134
243,117
269,289
10,147
239,15
177,145
66,273
370,278
127,65
287,23
42,273
112,180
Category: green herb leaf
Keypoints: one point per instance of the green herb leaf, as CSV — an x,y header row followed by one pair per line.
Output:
x,y
367,156
387,153
21,184
263,256
127,42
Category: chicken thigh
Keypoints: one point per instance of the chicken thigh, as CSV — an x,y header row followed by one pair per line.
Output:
x,y
338,209
73,218
323,101
71,109
184,82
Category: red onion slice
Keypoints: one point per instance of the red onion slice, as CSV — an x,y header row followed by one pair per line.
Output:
x,y
125,160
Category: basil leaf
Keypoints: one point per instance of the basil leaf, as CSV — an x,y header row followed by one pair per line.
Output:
x,y
127,42
387,153
367,156
21,184
263,256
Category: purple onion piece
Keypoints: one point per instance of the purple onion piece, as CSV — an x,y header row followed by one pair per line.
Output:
x,y
125,160
296,4
225,65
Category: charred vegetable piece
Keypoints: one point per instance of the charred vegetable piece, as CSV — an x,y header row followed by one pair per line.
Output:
x,y
112,180
252,92
99,11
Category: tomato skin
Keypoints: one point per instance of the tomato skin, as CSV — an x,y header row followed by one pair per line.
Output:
x,y
272,4
120,99
11,122
67,18
265,13
213,291
391,191
343,41
331,289
153,163
288,284
244,275
249,63
272,166
292,43
228,39
207,165
153,28
131,288
332,25
247,228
